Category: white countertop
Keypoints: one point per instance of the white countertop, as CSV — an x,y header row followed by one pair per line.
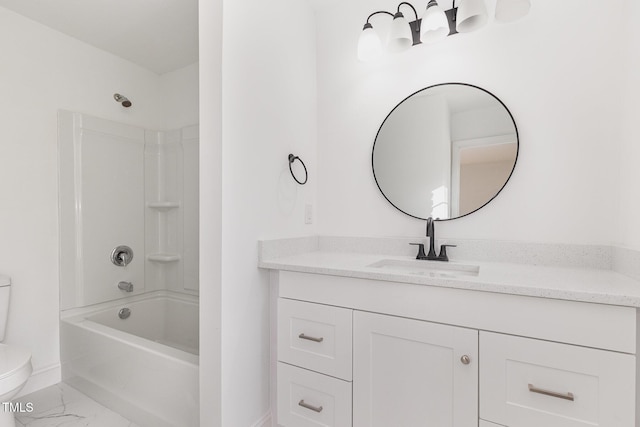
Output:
x,y
575,284
5,280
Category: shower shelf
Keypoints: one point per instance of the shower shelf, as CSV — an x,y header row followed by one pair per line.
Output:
x,y
163,258
163,206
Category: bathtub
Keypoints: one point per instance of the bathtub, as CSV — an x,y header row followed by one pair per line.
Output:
x,y
145,366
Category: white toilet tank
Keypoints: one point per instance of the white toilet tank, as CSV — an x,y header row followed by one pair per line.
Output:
x,y
5,290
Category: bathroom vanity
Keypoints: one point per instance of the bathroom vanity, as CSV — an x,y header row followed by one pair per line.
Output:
x,y
368,340
368,336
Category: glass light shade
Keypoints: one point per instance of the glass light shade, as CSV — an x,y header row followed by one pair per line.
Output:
x,y
472,15
369,44
435,25
400,37
510,10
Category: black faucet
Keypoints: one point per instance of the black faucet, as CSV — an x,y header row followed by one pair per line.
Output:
x,y
431,234
431,256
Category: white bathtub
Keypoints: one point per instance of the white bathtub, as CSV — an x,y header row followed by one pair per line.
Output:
x,y
144,367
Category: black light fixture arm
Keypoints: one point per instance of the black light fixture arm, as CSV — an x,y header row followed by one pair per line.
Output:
x,y
451,16
411,6
474,17
375,13
415,25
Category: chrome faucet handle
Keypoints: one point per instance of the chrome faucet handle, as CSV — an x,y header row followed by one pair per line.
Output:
x,y
421,254
121,256
125,286
443,252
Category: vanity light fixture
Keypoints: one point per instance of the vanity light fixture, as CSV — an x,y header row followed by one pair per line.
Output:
x,y
435,24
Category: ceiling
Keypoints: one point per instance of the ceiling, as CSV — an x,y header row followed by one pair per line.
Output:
x,y
160,35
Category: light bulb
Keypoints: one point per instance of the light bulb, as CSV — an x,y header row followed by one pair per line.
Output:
x,y
369,44
472,15
400,37
435,25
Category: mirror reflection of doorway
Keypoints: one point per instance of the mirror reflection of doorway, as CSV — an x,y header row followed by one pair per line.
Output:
x,y
480,167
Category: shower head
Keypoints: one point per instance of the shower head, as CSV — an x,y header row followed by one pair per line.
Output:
x,y
122,99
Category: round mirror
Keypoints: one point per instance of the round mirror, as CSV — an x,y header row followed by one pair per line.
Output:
x,y
445,151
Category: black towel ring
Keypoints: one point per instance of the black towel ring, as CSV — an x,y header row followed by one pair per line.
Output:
x,y
292,159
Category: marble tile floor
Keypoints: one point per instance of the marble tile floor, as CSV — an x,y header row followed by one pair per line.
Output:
x,y
63,406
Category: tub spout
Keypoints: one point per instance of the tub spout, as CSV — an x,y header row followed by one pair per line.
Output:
x,y
125,286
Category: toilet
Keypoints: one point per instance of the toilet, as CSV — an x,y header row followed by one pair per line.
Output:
x,y
15,362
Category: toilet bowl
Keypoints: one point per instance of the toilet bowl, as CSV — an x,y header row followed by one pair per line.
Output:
x,y
15,364
15,370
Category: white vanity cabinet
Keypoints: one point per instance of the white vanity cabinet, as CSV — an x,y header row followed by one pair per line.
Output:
x,y
370,353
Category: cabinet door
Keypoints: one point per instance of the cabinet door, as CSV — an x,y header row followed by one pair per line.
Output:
x,y
413,373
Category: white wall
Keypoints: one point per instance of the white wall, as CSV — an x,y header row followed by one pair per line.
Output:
x,y
180,97
629,162
43,71
268,100
210,82
558,76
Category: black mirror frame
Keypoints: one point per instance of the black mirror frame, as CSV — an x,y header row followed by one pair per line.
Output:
x,y
515,162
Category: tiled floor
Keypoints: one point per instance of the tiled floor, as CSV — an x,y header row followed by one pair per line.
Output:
x,y
64,406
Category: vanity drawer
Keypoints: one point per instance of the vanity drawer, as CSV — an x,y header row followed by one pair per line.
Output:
x,y
530,383
315,336
484,423
310,399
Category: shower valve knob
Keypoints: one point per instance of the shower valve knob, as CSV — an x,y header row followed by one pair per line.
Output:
x,y
122,256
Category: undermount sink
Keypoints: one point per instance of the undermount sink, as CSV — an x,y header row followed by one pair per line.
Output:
x,y
427,268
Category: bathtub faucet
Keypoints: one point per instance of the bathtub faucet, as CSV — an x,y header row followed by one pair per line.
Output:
x,y
125,286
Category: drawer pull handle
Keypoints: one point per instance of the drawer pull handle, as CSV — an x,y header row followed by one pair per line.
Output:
x,y
306,337
565,396
311,407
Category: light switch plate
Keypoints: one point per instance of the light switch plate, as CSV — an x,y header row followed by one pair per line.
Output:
x,y
308,214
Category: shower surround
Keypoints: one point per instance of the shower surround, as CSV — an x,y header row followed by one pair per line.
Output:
x,y
129,322
124,185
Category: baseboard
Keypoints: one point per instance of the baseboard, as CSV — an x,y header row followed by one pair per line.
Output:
x,y
265,421
42,378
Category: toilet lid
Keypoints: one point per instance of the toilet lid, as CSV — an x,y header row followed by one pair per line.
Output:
x,y
12,359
